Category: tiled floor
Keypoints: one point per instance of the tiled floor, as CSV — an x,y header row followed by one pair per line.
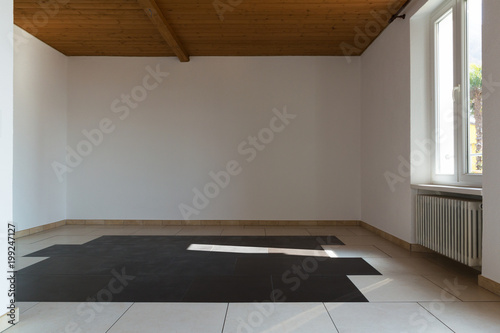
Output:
x,y
415,293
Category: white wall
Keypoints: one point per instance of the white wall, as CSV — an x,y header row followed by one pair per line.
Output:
x,y
491,110
422,147
6,146
385,131
193,123
40,102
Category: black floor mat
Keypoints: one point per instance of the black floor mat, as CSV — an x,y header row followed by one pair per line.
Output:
x,y
183,269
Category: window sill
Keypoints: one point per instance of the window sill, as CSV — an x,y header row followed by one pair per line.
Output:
x,y
449,189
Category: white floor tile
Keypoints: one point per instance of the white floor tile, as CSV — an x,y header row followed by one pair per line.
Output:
x,y
451,265
60,231
278,318
200,231
69,317
364,240
23,249
25,306
395,251
172,317
66,239
157,231
285,231
384,318
360,231
72,230
400,288
354,251
34,238
467,317
239,231
23,262
330,231
464,288
405,266
114,230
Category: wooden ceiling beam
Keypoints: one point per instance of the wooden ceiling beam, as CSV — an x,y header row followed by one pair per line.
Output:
x,y
154,13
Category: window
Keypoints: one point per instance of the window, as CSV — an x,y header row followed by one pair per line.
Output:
x,y
457,69
474,98
445,125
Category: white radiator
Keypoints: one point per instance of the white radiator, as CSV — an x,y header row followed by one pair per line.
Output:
x,y
452,227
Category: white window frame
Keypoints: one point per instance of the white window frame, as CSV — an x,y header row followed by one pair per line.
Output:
x,y
461,95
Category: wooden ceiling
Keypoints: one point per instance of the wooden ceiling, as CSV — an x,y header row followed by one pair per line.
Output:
x,y
205,27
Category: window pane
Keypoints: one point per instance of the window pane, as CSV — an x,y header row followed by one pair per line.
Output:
x,y
475,105
445,136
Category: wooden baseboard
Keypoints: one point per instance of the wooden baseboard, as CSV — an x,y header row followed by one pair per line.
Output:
x,y
489,284
303,223
38,229
387,236
217,222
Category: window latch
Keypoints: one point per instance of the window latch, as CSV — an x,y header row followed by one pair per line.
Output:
x,y
456,93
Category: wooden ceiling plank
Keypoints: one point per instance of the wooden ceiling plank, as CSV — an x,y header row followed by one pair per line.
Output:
x,y
154,13
249,28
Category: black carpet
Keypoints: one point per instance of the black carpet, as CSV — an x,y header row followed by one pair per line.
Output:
x,y
164,269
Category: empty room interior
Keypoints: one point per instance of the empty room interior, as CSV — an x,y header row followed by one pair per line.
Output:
x,y
243,166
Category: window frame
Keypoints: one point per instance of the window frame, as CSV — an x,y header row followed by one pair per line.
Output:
x,y
461,176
